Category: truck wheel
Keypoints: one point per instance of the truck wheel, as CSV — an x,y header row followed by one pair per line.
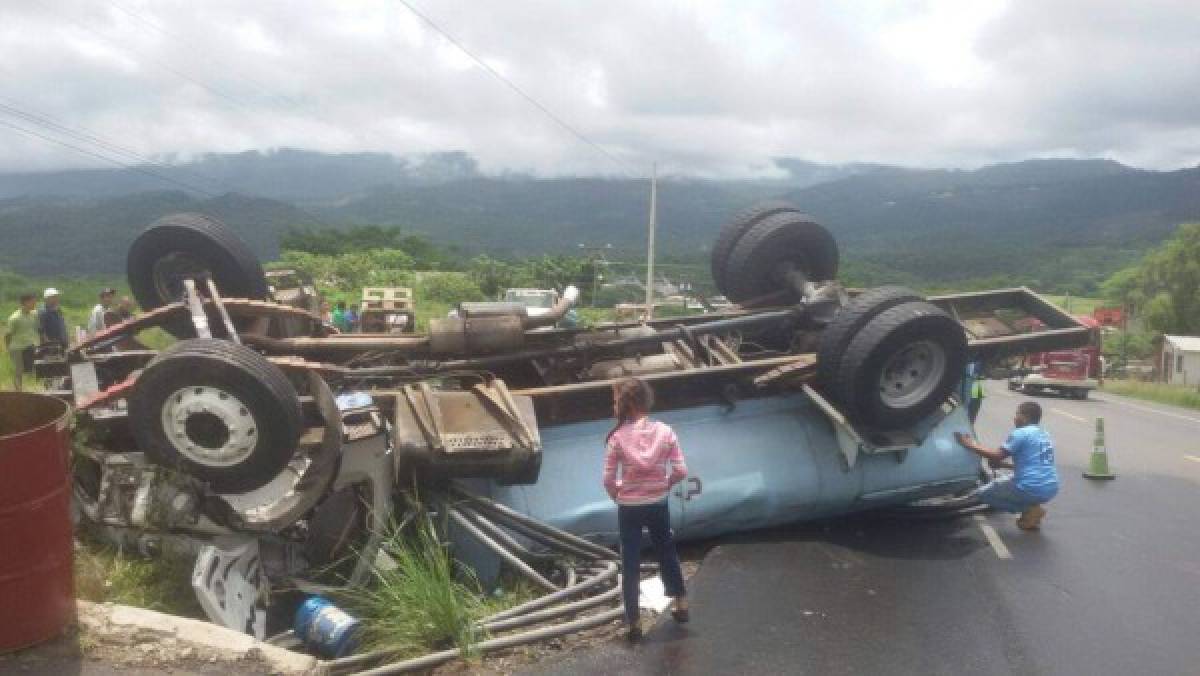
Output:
x,y
850,320
735,228
901,366
185,244
776,244
217,411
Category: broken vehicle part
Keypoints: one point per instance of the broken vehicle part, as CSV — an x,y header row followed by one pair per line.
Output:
x,y
481,432
230,584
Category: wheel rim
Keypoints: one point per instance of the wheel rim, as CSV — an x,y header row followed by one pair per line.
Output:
x,y
169,272
912,374
209,426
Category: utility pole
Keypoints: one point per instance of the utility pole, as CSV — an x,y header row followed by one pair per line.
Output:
x,y
650,244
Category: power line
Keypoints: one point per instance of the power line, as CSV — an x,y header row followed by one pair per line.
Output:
x,y
625,166
46,122
86,136
229,98
157,27
105,158
294,104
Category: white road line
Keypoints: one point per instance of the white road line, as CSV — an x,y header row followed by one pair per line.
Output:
x,y
1151,410
1192,458
1069,415
993,538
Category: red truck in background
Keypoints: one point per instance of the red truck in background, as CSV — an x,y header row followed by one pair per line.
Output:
x,y
1072,373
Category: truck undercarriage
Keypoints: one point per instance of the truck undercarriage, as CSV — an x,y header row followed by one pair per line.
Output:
x,y
276,447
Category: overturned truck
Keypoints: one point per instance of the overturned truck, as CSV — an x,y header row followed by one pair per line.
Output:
x,y
282,447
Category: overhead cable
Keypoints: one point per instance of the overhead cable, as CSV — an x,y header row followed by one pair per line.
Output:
x,y
105,158
627,168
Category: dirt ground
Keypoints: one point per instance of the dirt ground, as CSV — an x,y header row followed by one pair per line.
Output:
x,y
91,647
80,651
120,651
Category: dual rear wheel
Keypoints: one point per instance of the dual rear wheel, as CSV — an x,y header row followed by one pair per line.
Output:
x,y
762,252
901,364
888,358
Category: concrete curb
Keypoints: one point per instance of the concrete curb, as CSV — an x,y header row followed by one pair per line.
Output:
x,y
107,617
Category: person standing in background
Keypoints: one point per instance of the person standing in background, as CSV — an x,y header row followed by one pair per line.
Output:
x,y
975,373
21,338
339,317
97,321
326,313
52,326
125,309
120,312
352,319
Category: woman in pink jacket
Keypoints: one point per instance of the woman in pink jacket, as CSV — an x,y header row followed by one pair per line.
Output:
x,y
650,462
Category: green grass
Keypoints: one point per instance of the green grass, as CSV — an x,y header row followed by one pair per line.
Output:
x,y
1177,395
104,575
425,603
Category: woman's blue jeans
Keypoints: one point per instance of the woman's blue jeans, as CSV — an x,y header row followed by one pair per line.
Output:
x,y
657,519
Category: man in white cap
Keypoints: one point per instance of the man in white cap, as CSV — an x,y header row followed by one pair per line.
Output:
x,y
52,326
96,321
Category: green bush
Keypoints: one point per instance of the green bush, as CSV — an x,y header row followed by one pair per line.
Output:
x,y
381,267
449,288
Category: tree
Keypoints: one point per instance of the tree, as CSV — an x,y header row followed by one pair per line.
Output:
x,y
491,275
379,267
449,288
1165,286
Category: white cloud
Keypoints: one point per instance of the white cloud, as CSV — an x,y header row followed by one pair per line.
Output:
x,y
709,88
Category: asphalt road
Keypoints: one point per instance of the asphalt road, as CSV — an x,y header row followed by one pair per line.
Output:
x,y
1111,585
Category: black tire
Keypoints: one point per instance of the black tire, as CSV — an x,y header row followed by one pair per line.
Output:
x,y
182,243
910,332
785,238
735,228
850,320
243,387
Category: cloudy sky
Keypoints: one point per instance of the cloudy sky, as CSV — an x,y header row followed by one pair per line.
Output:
x,y
710,88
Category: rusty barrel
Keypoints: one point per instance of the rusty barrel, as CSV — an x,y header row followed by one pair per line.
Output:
x,y
37,594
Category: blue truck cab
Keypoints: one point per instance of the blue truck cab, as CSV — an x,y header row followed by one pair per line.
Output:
x,y
758,463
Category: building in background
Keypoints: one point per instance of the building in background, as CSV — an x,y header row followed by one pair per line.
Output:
x,y
1179,360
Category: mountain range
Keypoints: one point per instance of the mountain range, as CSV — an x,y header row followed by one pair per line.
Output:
x,y
1053,224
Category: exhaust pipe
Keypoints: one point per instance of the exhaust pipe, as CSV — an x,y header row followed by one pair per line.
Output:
x,y
570,296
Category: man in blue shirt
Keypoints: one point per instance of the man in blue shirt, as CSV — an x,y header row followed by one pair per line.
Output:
x,y
1035,479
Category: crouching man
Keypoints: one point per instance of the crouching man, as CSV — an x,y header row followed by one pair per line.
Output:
x,y
1035,479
